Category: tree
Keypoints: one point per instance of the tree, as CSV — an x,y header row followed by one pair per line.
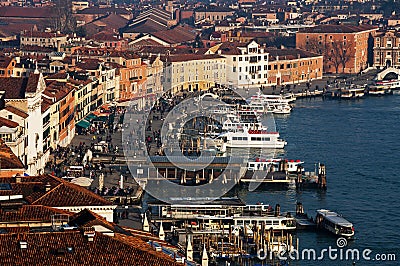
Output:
x,y
333,54
339,53
314,45
63,20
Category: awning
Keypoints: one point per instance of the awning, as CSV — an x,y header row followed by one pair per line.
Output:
x,y
101,118
90,117
83,123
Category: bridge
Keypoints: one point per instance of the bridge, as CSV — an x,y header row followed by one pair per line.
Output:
x,y
389,73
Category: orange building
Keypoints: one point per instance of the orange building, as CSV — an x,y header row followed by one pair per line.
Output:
x,y
7,65
293,66
11,165
62,124
345,48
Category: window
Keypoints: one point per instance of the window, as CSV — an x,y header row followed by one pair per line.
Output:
x,y
240,58
234,59
234,69
275,67
282,66
9,117
344,37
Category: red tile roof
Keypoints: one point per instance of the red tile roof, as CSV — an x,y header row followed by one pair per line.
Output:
x,y
7,123
40,34
73,248
88,64
16,111
177,35
26,213
8,159
25,12
189,57
14,87
61,194
33,81
337,29
5,61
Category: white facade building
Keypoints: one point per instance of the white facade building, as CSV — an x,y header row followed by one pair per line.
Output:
x,y
247,63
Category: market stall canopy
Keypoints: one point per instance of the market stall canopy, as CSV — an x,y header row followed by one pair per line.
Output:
x,y
90,117
83,123
82,181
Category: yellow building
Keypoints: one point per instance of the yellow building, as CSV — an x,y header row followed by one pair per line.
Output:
x,y
193,72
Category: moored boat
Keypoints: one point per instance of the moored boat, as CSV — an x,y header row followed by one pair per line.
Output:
x,y
334,223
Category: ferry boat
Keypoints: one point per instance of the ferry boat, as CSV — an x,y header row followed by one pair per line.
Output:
x,y
352,93
271,164
393,84
334,223
270,99
376,90
250,138
234,124
221,216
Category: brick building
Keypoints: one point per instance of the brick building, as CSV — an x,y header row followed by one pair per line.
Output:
x,y
387,49
293,66
346,48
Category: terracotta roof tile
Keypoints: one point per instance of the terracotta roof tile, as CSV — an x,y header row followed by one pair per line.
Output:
x,y
4,122
14,87
16,111
337,29
33,81
61,194
8,159
73,248
30,213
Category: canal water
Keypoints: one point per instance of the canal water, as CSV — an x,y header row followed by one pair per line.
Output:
x,y
358,141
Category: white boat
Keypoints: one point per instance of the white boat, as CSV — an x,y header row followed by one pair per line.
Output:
x,y
392,84
352,93
334,223
249,138
376,90
270,99
273,164
281,109
234,124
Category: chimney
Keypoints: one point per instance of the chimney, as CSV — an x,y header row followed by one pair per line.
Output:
x,y
23,244
89,233
48,187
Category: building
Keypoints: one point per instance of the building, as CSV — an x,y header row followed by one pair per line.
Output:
x,y
247,63
59,194
25,94
293,66
212,13
193,72
60,98
7,65
10,164
345,48
52,40
387,49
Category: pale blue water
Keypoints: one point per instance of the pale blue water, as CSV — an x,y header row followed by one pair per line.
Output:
x,y
359,143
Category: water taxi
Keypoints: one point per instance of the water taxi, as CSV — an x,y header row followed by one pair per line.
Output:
x,y
334,223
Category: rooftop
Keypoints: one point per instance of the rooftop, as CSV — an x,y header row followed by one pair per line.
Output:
x,y
8,159
337,29
73,248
